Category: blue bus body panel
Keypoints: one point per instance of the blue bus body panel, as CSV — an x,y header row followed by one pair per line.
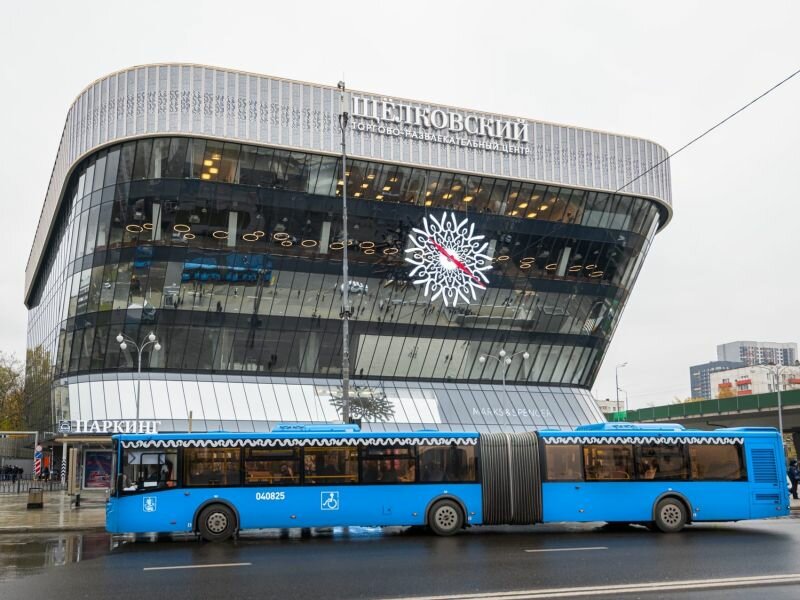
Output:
x,y
284,507
634,501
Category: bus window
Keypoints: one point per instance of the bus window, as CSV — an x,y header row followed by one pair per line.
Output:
x,y
563,462
207,467
330,465
447,463
272,466
395,464
662,461
147,470
720,462
606,461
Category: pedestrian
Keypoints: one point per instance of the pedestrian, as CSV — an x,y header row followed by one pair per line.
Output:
x,y
794,476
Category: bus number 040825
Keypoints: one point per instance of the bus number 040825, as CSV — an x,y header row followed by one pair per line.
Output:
x,y
270,495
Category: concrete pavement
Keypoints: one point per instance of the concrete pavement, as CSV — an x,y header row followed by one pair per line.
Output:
x,y
58,514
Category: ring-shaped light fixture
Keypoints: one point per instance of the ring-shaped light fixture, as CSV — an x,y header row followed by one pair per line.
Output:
x,y
280,236
390,251
220,235
591,267
367,245
528,259
525,265
551,267
336,246
575,268
249,237
133,228
308,243
259,233
369,251
596,274
181,228
189,236
503,257
147,226
286,243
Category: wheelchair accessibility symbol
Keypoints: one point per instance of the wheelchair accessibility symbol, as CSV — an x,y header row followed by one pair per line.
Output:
x,y
329,500
149,504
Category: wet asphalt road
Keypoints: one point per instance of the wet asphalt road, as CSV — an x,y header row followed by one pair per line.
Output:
x,y
370,563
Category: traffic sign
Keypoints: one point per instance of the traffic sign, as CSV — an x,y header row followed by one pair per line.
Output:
x,y
38,448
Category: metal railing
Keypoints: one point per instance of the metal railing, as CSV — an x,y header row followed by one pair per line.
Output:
x,y
21,485
718,406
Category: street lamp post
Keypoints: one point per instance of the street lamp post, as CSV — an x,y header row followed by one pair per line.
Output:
x,y
344,116
616,377
777,371
151,340
503,360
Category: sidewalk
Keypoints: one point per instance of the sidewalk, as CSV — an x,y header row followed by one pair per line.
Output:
x,y
57,514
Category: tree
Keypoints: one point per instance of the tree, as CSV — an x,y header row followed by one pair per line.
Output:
x,y
677,400
727,392
12,393
366,403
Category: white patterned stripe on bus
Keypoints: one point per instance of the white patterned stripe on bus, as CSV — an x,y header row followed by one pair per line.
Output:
x,y
617,439
241,443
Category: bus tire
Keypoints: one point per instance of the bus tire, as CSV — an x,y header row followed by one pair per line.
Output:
x,y
445,518
216,523
670,515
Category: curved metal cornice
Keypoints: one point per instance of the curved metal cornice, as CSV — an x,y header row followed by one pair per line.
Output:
x,y
170,99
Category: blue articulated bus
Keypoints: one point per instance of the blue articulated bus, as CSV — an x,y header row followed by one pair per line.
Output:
x,y
217,484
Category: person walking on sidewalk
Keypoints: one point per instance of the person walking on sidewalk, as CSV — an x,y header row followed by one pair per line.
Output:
x,y
794,476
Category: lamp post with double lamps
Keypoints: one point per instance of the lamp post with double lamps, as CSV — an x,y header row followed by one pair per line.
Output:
x,y
150,340
504,360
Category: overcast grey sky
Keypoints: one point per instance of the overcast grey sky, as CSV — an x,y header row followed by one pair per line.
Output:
x,y
726,268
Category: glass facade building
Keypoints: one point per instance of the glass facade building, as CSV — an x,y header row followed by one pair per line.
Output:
x,y
213,219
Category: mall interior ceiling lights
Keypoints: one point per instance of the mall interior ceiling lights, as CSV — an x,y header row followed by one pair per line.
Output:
x,y
280,236
220,235
189,236
336,245
181,228
249,237
133,228
308,243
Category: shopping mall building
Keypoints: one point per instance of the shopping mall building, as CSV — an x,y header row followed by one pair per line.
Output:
x,y
205,205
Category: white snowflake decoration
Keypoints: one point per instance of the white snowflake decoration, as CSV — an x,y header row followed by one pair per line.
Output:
x,y
449,259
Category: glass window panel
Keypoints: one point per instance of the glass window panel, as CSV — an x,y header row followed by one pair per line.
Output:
x,y
607,461
330,466
720,462
176,165
563,462
662,461
148,469
160,158
272,466
208,467
454,462
144,149
194,159
112,165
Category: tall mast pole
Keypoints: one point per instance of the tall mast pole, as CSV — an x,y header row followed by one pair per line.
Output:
x,y
343,118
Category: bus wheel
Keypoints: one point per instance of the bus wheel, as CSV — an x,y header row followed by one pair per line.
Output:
x,y
216,523
445,518
670,515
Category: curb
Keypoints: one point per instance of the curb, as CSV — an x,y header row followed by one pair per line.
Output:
x,y
67,529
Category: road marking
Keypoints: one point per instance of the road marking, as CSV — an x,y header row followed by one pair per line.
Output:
x,y
632,588
212,566
567,549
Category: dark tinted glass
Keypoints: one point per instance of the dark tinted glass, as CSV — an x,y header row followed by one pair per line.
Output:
x,y
447,463
663,461
208,467
563,462
720,462
608,462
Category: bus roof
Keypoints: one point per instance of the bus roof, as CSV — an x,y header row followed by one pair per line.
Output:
x,y
299,433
